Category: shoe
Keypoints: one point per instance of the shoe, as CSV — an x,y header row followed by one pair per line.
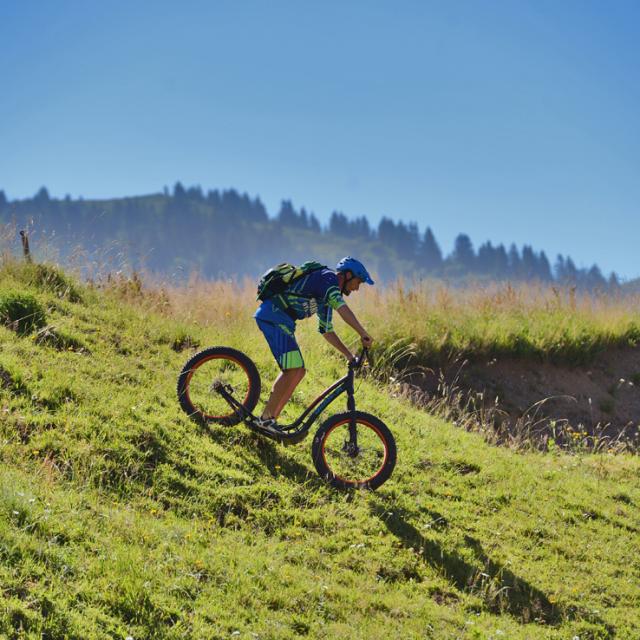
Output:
x,y
268,425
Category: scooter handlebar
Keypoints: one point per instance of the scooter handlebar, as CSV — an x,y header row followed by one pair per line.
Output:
x,y
360,359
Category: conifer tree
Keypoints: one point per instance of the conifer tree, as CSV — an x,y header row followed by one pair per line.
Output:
x,y
570,272
42,197
360,228
515,263
183,227
258,211
485,262
304,218
412,242
195,193
179,192
501,269
386,231
429,253
529,263
544,268
287,215
314,225
463,253
339,224
595,279
214,199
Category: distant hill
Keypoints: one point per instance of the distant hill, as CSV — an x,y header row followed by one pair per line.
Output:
x,y
225,233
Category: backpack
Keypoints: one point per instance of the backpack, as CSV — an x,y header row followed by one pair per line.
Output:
x,y
276,280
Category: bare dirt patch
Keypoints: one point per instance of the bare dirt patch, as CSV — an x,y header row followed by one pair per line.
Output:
x,y
603,396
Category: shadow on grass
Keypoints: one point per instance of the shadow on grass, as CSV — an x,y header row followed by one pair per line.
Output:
x,y
276,460
500,589
260,453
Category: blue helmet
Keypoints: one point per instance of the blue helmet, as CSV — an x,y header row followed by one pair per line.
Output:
x,y
356,267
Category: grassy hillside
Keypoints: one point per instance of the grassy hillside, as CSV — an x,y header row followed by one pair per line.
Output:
x,y
119,517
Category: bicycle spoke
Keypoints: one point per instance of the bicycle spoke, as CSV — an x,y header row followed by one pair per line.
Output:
x,y
203,379
354,464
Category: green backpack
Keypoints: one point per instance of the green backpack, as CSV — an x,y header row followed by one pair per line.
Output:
x,y
277,279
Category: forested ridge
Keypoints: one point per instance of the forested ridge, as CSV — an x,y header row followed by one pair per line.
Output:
x,y
223,232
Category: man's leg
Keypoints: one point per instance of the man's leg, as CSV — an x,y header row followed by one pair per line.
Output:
x,y
283,345
282,390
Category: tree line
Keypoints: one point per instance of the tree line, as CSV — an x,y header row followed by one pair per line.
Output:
x,y
224,233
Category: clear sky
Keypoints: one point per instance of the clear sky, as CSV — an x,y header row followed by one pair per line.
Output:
x,y
509,120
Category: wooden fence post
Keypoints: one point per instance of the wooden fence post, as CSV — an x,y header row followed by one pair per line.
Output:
x,y
25,245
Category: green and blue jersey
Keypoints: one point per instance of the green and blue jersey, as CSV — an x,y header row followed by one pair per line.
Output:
x,y
315,293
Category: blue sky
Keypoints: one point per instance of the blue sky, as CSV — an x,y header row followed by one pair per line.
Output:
x,y
509,120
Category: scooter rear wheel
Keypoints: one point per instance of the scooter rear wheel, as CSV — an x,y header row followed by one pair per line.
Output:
x,y
225,365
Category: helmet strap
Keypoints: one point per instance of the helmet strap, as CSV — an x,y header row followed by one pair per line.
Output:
x,y
346,280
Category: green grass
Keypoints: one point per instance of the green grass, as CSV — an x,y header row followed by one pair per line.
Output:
x,y
120,517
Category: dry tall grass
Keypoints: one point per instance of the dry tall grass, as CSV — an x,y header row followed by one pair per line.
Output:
x,y
438,321
498,319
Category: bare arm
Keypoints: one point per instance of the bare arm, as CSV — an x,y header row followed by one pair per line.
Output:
x,y
348,316
335,342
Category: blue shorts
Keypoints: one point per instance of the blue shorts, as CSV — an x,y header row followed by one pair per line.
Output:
x,y
279,330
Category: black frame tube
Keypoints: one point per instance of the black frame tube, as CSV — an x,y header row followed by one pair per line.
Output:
x,y
300,427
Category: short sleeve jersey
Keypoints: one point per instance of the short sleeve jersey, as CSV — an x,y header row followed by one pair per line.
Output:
x,y
318,293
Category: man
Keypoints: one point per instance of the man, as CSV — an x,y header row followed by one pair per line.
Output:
x,y
318,292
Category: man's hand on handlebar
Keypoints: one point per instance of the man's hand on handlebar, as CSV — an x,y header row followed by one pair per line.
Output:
x,y
367,340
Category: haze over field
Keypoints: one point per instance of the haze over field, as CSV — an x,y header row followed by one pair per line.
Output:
x,y
227,234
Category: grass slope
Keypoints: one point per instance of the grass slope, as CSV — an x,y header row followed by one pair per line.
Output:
x,y
121,518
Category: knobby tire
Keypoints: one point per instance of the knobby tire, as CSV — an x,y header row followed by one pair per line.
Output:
x,y
367,425
221,356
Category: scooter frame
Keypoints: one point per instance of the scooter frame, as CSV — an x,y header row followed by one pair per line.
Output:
x,y
300,427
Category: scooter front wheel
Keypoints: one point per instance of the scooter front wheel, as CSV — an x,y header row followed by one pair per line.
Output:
x,y
354,451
